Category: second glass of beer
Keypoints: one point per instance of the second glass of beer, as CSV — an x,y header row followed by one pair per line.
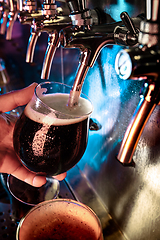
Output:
x,y
49,137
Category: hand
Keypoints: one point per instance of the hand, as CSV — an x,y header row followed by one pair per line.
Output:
x,y
9,161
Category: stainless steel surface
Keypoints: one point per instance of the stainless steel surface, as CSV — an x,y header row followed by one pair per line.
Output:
x,y
84,192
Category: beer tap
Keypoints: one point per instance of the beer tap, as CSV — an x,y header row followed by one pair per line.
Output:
x,y
10,11
30,13
12,16
4,14
51,19
141,63
90,35
53,27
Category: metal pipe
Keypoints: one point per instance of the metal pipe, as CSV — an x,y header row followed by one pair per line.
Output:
x,y
31,45
53,43
139,119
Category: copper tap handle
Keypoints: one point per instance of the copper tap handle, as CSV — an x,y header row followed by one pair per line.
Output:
x,y
128,23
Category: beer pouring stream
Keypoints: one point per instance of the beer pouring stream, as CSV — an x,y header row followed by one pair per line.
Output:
x,y
141,63
90,33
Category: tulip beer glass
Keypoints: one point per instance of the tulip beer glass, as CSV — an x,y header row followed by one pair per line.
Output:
x,y
50,137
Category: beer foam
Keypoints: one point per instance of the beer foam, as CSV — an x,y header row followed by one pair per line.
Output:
x,y
61,219
60,113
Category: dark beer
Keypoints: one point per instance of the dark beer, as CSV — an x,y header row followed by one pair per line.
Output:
x,y
47,144
60,219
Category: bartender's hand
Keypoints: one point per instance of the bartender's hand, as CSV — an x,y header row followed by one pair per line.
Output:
x,y
9,161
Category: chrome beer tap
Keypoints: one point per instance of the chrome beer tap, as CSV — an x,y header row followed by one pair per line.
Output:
x,y
52,26
10,11
30,13
4,6
12,16
141,63
90,35
49,11
51,19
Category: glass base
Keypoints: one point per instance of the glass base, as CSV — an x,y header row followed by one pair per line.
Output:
x,y
30,195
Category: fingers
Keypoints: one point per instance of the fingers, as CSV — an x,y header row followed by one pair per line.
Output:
x,y
13,99
31,178
9,163
61,176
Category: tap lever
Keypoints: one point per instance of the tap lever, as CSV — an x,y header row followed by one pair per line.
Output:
x,y
127,35
128,23
76,6
80,15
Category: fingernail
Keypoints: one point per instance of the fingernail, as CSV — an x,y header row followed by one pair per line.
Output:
x,y
38,181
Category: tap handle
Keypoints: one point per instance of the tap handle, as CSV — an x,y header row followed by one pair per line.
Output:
x,y
80,15
76,6
128,23
127,35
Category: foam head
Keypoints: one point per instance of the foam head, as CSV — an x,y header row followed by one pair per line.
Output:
x,y
60,219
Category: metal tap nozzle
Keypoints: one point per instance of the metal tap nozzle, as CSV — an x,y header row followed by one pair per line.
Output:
x,y
12,18
29,14
139,119
31,45
53,28
53,43
49,9
4,14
